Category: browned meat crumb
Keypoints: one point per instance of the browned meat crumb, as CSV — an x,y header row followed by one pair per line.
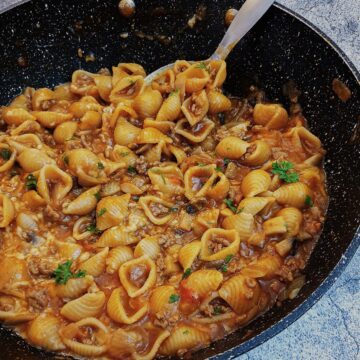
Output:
x,y
38,299
341,90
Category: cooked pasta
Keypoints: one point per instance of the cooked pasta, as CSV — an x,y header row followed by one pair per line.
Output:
x,y
142,220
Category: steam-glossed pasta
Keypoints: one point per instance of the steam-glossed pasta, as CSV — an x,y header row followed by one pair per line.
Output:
x,y
133,216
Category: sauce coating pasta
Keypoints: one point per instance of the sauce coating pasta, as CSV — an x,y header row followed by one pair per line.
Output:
x,y
140,220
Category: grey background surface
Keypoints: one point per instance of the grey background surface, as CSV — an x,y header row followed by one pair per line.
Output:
x,y
330,330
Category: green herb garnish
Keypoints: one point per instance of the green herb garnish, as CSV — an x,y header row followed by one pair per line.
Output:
x,y
201,164
31,182
224,267
202,65
66,160
174,209
227,161
282,168
101,212
93,229
5,154
308,201
100,165
218,310
185,332
174,298
174,92
131,170
97,196
63,273
123,153
230,204
186,273
219,169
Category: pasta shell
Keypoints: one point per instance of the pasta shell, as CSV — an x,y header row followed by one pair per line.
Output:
x,y
167,179
127,69
125,133
303,138
95,265
147,246
63,92
195,107
227,240
183,337
111,211
41,96
163,126
217,70
159,302
219,188
84,203
122,154
271,116
206,219
198,180
28,126
122,112
90,121
293,218
152,136
26,222
98,342
243,223
43,331
232,148
194,78
148,103
242,293
118,310
145,264
180,66
74,287
68,250
118,256
82,83
255,182
86,306
32,160
61,184
293,195
197,133
104,86
256,205
151,203
33,199
87,103
116,236
188,253
171,108
6,165
80,228
16,116
257,153
51,119
274,226
165,82
179,154
23,142
218,102
203,281
283,247
13,318
21,102
65,131
265,267
127,89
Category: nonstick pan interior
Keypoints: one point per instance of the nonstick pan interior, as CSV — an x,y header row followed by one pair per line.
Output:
x,y
47,34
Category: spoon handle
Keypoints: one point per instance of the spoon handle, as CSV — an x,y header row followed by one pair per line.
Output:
x,y
249,14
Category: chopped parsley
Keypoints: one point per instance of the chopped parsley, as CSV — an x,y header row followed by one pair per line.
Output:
x,y
5,154
66,160
308,201
174,298
123,153
224,266
185,332
230,204
200,164
174,209
202,65
163,178
174,92
131,170
227,161
93,229
132,82
100,165
186,273
101,212
97,196
218,310
31,182
63,273
284,170
218,169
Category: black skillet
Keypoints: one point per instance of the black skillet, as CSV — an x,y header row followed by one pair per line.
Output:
x,y
46,36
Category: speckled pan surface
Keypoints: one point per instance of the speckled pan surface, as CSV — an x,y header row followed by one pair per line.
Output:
x,y
49,33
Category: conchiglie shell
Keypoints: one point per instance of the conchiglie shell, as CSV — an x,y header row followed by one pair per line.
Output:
x,y
80,231
256,205
51,119
274,226
167,179
16,116
118,256
28,126
148,103
87,103
26,222
314,160
117,308
283,247
43,331
32,160
203,281
147,246
116,210
84,203
13,318
21,101
180,66
255,182
25,141
183,337
146,201
188,253
293,218
74,287
127,89
40,96
63,92
178,153
132,289
62,183
126,69
82,83
68,250
33,199
86,306
303,138
217,69
243,223
98,346
242,293
8,164
163,126
95,265
196,134
204,220
123,154
130,188
104,86
260,153
154,153
218,102
152,136
159,300
65,131
195,107
265,267
204,175
125,133
171,108
116,236
232,148
90,121
293,195
210,235
311,175
271,116
122,112
219,188
195,78
165,82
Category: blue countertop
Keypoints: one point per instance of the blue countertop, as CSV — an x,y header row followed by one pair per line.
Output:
x,y
330,330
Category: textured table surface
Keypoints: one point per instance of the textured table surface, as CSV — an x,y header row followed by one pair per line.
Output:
x,y
330,330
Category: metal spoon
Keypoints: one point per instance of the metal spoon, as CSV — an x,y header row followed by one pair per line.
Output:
x,y
249,14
